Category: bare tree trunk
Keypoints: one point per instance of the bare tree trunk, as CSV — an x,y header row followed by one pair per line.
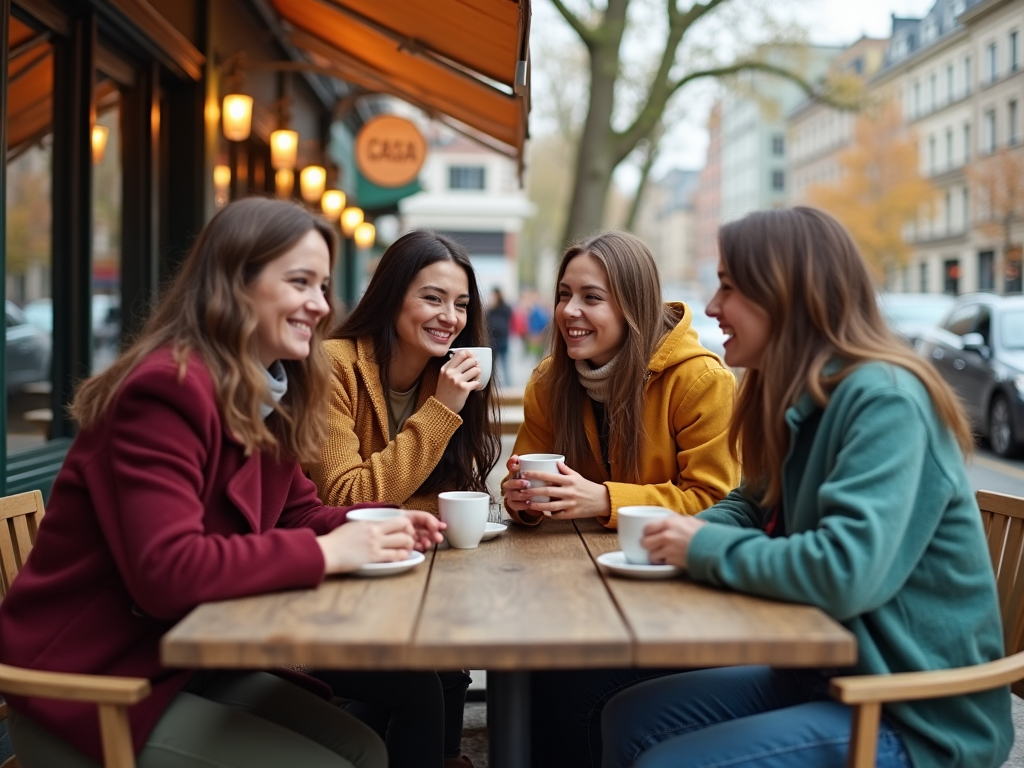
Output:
x,y
595,159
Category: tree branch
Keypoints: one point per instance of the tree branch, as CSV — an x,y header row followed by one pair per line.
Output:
x,y
696,11
585,33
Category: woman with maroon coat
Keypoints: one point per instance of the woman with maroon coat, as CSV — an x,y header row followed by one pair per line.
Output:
x,y
184,487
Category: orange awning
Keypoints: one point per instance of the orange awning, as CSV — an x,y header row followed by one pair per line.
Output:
x,y
454,57
30,85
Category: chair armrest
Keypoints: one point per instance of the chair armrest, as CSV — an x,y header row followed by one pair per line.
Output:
x,y
908,686
99,689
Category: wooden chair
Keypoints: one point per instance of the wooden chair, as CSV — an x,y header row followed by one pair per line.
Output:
x,y
1003,517
19,522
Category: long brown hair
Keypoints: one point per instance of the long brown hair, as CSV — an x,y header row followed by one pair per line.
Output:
x,y
207,311
635,287
801,266
473,450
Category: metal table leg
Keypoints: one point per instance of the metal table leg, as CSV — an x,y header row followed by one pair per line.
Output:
x,y
509,719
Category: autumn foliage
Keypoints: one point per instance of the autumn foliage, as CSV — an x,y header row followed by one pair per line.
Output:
x,y
880,190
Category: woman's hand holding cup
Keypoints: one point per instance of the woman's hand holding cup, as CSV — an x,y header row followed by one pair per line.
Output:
x,y
543,484
458,377
352,545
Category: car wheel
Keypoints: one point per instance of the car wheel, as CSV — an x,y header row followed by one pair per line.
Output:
x,y
1000,428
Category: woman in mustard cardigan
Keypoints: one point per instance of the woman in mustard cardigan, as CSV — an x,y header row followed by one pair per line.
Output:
x,y
406,423
641,412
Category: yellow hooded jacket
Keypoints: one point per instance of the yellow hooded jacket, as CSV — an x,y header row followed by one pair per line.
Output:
x,y
685,461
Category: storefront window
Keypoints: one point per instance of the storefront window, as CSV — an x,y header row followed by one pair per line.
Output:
x,y
28,243
106,232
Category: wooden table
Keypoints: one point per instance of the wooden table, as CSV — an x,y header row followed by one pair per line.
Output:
x,y
531,599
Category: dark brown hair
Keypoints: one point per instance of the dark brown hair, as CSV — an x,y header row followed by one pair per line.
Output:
x,y
473,450
207,311
636,290
801,266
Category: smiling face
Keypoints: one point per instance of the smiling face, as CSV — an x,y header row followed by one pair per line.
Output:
x,y
745,323
290,298
433,313
591,323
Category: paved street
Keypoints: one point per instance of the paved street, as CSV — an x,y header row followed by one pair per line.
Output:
x,y
992,473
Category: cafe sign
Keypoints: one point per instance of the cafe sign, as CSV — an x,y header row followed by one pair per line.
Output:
x,y
390,151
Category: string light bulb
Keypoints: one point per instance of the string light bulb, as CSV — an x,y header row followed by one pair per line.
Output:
x,y
350,219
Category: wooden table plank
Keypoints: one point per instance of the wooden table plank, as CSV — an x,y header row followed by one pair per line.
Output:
x,y
678,622
348,622
530,598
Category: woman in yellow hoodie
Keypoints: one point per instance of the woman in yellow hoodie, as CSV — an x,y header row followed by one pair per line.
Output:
x,y
641,412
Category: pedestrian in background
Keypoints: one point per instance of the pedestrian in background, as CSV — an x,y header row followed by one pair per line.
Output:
x,y
499,320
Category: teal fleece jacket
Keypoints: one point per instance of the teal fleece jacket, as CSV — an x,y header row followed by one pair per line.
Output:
x,y
882,532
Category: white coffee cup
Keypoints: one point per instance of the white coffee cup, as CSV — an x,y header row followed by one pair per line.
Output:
x,y
373,514
632,521
465,512
483,356
540,462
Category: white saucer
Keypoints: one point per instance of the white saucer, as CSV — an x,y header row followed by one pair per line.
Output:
x,y
388,569
616,563
492,530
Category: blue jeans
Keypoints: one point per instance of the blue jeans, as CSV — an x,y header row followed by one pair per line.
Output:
x,y
736,716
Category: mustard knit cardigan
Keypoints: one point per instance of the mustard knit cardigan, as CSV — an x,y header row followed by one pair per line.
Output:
x,y
357,462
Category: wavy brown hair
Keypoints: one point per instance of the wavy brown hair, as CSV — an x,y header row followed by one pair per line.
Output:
x,y
474,448
801,266
636,289
207,311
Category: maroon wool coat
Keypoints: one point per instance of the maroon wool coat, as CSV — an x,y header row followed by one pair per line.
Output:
x,y
156,510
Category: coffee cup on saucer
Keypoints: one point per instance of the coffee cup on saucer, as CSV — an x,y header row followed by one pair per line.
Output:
x,y
373,514
632,521
483,356
465,513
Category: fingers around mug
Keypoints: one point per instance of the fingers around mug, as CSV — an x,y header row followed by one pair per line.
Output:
x,y
548,478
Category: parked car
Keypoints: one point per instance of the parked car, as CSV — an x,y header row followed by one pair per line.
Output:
x,y
28,350
106,317
979,350
911,314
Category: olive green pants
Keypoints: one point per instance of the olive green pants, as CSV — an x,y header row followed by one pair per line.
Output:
x,y
229,720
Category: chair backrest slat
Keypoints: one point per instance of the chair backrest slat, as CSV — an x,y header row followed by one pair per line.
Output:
x,y
1003,517
19,522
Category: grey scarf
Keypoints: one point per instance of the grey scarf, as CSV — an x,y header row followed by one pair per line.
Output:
x,y
277,385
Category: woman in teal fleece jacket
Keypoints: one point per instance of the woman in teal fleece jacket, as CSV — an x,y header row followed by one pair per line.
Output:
x,y
854,499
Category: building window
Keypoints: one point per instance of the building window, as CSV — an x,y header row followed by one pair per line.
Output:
x,y
967,75
933,93
778,145
778,181
988,138
967,142
1013,123
1014,55
931,154
990,54
949,83
949,211
917,99
466,177
986,271
923,276
965,194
